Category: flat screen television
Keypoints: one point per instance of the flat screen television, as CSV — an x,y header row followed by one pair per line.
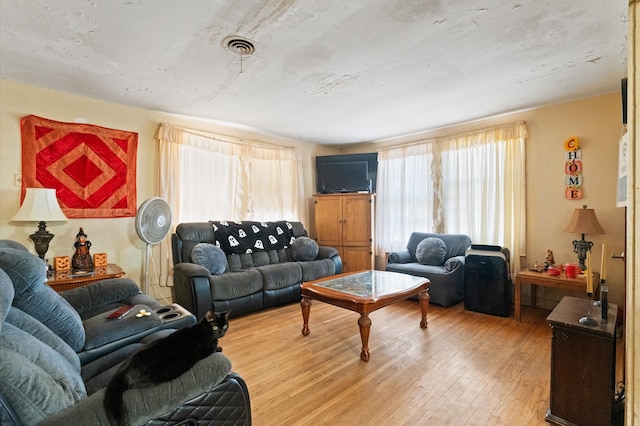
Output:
x,y
346,173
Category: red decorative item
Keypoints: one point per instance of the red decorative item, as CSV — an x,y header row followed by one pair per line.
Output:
x,y
571,270
92,168
573,193
553,271
573,167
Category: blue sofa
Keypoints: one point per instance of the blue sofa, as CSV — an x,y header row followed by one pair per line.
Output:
x,y
446,273
247,266
57,354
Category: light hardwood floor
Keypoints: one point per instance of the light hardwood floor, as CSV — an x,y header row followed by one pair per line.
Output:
x,y
466,368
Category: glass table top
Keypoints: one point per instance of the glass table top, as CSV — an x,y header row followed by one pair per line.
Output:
x,y
372,283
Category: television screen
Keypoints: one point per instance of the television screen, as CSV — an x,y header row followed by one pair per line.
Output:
x,y
346,173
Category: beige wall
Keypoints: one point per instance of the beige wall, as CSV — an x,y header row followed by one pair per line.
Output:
x,y
116,237
597,121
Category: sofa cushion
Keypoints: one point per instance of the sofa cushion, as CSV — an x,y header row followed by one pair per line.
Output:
x,y
35,328
233,285
431,251
6,296
37,380
317,269
304,249
209,256
28,275
280,275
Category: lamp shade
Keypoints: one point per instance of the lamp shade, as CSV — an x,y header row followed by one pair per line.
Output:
x,y
584,221
40,204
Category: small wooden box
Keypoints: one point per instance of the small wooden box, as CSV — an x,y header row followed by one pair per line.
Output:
x,y
62,263
99,259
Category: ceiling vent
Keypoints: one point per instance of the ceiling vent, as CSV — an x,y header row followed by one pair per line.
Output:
x,y
240,45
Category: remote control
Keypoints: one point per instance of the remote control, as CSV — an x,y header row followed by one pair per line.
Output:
x,y
121,312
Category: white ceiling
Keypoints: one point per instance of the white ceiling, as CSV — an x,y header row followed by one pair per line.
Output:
x,y
325,71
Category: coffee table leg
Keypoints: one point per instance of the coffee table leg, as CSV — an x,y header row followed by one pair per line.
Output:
x,y
424,298
365,326
305,304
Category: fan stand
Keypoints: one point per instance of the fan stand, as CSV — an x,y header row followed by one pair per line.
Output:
x,y
145,279
153,222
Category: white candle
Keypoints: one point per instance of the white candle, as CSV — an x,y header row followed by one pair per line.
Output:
x,y
589,282
603,262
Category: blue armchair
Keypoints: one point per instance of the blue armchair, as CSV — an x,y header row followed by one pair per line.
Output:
x,y
442,262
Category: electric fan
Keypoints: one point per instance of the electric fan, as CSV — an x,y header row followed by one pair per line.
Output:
x,y
153,223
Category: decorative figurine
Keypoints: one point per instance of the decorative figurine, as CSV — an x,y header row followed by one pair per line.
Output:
x,y
82,260
549,261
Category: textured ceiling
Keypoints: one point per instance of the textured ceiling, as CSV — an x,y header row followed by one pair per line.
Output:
x,y
325,71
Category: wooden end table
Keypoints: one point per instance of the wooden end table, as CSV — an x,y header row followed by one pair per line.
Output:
x,y
66,280
544,279
364,292
583,364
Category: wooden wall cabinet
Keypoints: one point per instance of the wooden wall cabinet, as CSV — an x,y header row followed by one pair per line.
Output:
x,y
345,221
582,365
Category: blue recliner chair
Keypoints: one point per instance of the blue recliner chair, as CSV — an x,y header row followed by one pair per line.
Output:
x,y
58,353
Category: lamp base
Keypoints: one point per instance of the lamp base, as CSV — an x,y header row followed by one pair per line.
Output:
x,y
581,247
41,239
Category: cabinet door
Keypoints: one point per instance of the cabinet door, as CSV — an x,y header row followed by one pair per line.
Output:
x,y
582,372
356,259
328,211
356,225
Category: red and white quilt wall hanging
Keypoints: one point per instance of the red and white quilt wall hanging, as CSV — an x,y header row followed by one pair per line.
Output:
x,y
92,168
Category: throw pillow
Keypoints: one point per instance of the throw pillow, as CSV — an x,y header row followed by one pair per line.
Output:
x,y
211,257
431,251
304,249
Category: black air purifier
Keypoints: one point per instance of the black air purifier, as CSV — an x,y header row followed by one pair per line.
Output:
x,y
487,281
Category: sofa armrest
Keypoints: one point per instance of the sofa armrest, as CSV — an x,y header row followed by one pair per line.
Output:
x,y
327,252
147,404
191,288
191,270
454,263
100,293
399,257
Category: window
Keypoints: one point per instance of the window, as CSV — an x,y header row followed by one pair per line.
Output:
x,y
212,177
470,184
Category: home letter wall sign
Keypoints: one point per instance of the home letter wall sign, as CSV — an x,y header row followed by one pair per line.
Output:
x,y
573,169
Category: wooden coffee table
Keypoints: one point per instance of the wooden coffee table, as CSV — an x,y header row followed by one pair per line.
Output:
x,y
364,292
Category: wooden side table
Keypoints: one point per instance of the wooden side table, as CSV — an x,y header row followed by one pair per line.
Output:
x,y
583,360
546,280
66,280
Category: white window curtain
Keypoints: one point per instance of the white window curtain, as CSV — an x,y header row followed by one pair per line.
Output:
x,y
205,176
472,183
405,194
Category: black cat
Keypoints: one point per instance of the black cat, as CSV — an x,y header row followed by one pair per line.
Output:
x,y
164,360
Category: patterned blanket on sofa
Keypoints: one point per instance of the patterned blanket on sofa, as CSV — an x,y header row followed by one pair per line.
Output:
x,y
248,236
